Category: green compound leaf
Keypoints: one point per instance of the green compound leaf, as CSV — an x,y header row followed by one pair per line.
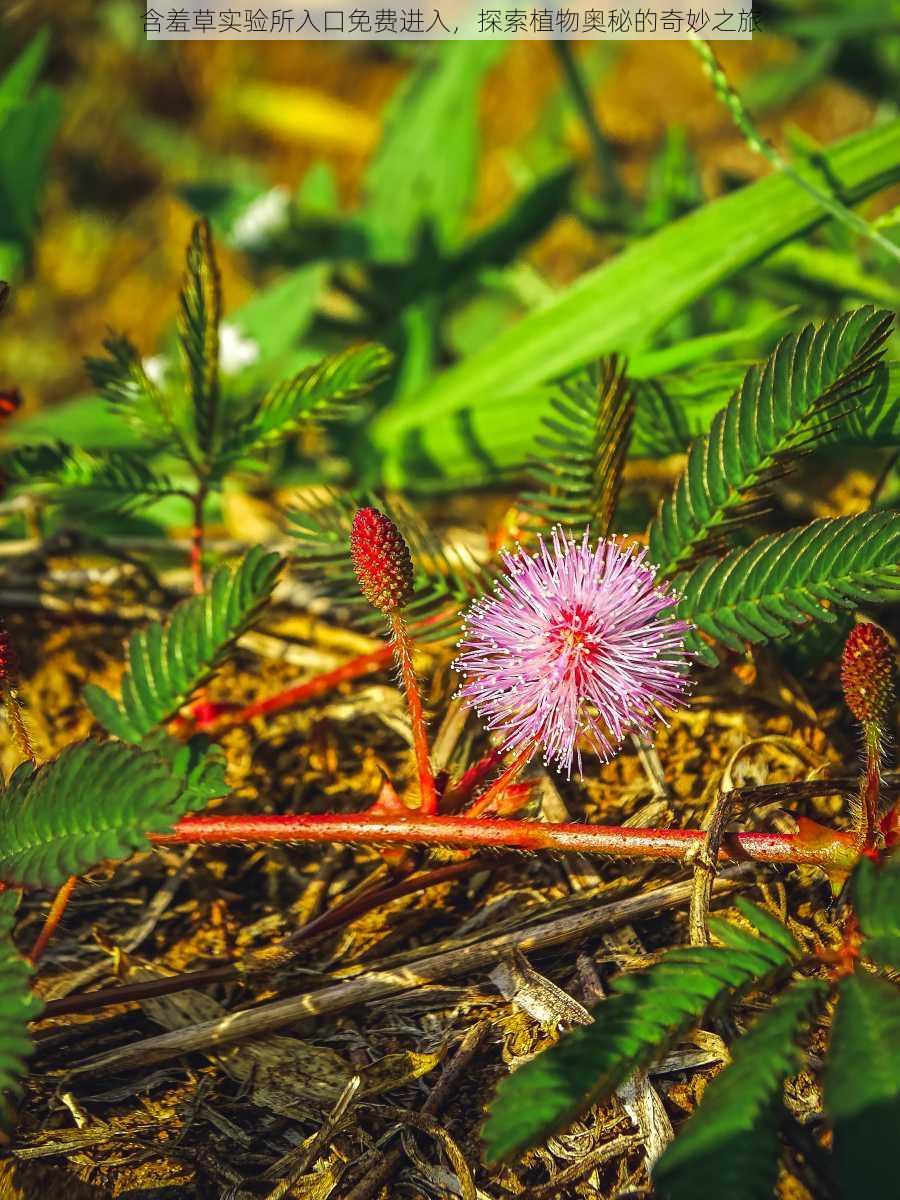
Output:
x,y
18,1006
199,764
120,377
780,411
326,391
95,480
729,1145
875,892
787,579
646,1014
582,450
198,332
862,1086
168,662
93,802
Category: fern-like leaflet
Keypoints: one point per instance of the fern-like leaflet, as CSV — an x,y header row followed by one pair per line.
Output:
x,y
729,1145
117,480
786,579
780,412
168,662
18,1006
94,801
327,391
647,1013
200,311
446,578
582,450
862,1086
121,378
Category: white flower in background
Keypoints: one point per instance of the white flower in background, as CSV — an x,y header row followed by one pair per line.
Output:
x,y
265,216
156,369
235,350
235,353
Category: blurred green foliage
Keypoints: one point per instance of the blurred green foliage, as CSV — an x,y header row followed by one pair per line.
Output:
x,y
29,116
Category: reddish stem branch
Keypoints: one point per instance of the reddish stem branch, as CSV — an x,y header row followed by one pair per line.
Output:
x,y
428,803
822,847
54,916
458,794
311,689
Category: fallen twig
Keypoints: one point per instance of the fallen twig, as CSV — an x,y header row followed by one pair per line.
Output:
x,y
379,984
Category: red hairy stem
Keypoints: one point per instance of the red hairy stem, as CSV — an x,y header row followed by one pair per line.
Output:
x,y
310,689
428,801
384,571
54,916
870,788
814,845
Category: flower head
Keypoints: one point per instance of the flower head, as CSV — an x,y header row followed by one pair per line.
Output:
x,y
867,673
381,560
577,642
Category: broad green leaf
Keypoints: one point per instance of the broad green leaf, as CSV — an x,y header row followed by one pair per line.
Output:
x,y
27,132
619,305
18,80
423,173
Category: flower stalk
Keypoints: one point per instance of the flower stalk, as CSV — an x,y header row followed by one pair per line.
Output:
x,y
867,677
384,570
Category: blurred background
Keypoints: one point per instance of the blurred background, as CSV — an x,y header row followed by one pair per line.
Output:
x,y
431,197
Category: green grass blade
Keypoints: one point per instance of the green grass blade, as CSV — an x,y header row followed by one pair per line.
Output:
x,y
619,305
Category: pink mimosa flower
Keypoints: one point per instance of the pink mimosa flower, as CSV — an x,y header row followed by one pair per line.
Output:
x,y
578,642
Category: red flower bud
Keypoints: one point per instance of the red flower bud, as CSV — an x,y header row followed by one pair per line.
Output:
x,y
381,560
867,673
